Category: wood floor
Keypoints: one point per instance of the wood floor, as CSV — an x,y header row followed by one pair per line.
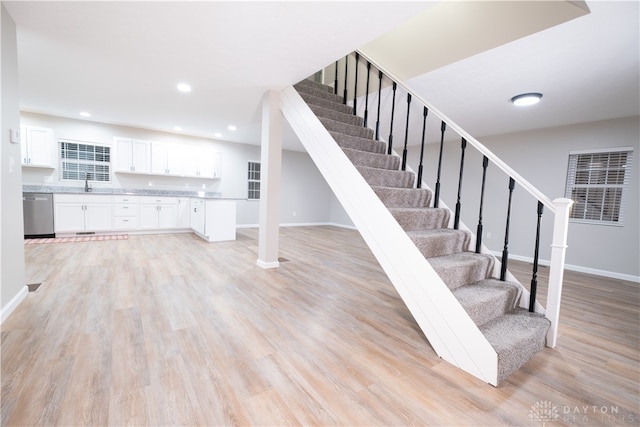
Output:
x,y
171,330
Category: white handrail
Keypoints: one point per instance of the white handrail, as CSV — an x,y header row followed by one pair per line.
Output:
x,y
471,140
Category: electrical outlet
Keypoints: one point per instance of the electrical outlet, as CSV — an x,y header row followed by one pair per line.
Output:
x,y
294,213
488,234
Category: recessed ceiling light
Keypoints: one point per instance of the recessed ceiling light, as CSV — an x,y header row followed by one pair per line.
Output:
x,y
231,127
85,114
217,135
183,87
525,99
177,128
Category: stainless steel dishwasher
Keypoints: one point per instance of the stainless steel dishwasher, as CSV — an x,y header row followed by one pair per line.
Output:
x,y
37,211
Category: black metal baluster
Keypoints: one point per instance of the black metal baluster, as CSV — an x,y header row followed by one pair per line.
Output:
x,y
355,87
485,163
335,82
505,251
366,96
393,111
346,69
436,201
379,96
425,111
406,134
534,278
456,223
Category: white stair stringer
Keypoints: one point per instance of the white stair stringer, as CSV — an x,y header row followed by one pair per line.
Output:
x,y
450,331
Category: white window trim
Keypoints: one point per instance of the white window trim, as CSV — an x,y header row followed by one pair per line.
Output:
x,y
72,141
625,185
249,180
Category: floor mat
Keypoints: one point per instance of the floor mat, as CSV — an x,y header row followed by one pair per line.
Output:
x,y
75,239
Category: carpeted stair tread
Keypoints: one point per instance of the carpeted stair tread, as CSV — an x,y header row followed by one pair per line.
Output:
x,y
338,116
488,299
373,160
463,268
319,93
390,178
323,102
335,126
514,333
358,143
516,337
440,241
316,85
394,197
421,218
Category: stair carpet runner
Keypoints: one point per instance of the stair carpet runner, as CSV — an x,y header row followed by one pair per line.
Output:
x,y
514,333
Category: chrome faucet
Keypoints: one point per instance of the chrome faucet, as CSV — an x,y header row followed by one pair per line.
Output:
x,y
86,183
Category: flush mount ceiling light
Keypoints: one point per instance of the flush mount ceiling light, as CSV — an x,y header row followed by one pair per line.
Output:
x,y
217,135
85,114
525,99
183,87
231,127
177,128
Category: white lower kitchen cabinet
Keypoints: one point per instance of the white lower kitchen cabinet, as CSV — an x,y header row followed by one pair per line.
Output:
x,y
82,213
158,213
184,213
214,219
125,213
197,216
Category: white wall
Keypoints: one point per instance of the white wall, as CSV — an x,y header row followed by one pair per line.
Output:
x,y
12,270
305,199
541,156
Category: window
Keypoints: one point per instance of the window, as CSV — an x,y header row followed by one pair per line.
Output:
x,y
254,181
597,182
80,159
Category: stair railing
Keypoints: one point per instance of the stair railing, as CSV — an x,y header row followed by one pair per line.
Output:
x,y
559,207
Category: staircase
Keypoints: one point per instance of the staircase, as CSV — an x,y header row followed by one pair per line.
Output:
x,y
515,334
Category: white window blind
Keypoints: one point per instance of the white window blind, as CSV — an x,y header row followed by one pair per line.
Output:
x,y
254,181
597,182
82,159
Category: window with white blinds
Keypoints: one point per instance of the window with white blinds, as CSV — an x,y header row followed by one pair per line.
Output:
x,y
82,159
254,181
597,182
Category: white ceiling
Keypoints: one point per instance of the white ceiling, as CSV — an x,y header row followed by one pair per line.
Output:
x,y
121,61
587,70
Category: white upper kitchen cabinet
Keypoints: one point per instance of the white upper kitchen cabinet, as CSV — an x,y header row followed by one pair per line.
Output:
x,y
38,147
167,160
178,160
208,165
132,155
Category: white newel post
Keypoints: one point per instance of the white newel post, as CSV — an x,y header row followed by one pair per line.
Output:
x,y
556,269
270,167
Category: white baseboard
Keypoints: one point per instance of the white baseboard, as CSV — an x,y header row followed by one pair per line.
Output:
x,y
267,265
298,224
11,305
577,268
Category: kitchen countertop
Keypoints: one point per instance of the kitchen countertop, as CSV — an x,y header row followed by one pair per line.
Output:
x,y
118,191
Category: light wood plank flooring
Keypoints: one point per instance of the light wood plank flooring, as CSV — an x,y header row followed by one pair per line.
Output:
x,y
171,330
